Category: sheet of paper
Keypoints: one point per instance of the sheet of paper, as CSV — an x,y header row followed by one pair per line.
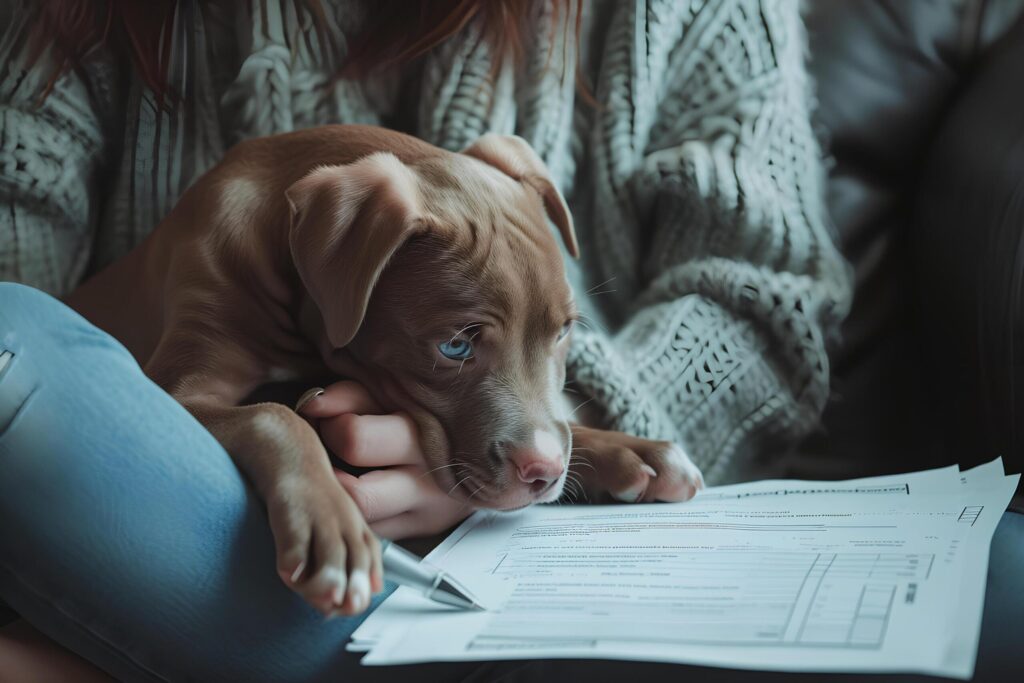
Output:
x,y
851,576
405,601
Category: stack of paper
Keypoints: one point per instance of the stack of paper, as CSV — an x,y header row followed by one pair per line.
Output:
x,y
880,574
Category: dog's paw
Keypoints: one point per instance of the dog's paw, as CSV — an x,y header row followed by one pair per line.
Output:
x,y
325,550
632,470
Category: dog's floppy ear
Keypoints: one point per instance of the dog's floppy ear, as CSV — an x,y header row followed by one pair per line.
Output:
x,y
346,223
514,157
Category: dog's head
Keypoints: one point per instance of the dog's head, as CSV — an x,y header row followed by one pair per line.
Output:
x,y
443,281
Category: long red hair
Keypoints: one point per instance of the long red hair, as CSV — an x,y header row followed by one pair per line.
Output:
x,y
399,31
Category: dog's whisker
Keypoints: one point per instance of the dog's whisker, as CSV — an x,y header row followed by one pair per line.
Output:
x,y
601,284
457,484
582,463
574,496
566,496
580,487
579,460
581,405
464,328
470,498
442,467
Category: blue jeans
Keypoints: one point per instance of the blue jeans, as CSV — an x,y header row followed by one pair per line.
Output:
x,y
128,536
126,532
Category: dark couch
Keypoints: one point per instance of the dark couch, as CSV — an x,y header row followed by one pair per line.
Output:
x,y
921,107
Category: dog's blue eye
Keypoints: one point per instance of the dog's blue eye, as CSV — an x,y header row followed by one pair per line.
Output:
x,y
456,349
565,330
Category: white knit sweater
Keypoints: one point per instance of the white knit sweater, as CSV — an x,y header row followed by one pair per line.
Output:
x,y
709,275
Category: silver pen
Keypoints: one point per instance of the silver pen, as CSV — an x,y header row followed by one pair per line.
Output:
x,y
406,569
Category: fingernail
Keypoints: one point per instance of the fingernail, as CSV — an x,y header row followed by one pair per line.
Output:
x,y
359,589
649,470
298,571
313,393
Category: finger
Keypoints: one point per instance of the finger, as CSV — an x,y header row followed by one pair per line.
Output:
x,y
376,563
385,493
325,589
421,522
398,527
306,397
346,396
373,440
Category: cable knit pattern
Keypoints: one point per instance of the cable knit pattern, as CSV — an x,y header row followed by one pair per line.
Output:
x,y
727,309
49,156
709,276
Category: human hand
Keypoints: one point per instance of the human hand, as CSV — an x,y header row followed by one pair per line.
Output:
x,y
400,499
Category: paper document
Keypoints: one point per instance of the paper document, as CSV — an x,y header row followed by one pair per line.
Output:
x,y
881,574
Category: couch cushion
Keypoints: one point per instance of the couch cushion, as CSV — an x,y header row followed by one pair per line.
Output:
x,y
968,244
885,73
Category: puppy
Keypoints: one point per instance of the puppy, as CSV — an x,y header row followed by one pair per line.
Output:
x,y
430,277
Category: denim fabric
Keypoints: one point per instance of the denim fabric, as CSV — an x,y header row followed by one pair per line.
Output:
x,y
128,535
126,532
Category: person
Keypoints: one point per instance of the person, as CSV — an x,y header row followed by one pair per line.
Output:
x,y
679,133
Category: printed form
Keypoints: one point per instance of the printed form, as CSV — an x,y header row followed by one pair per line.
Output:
x,y
881,574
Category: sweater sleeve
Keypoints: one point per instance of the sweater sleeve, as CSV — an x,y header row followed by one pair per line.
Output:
x,y
50,152
740,284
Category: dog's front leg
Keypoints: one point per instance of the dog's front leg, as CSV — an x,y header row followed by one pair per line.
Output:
x,y
325,549
629,469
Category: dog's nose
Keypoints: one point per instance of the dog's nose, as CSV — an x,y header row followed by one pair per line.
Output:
x,y
535,468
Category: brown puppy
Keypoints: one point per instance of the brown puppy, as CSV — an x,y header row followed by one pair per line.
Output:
x,y
430,277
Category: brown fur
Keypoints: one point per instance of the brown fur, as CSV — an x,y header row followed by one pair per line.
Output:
x,y
357,250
